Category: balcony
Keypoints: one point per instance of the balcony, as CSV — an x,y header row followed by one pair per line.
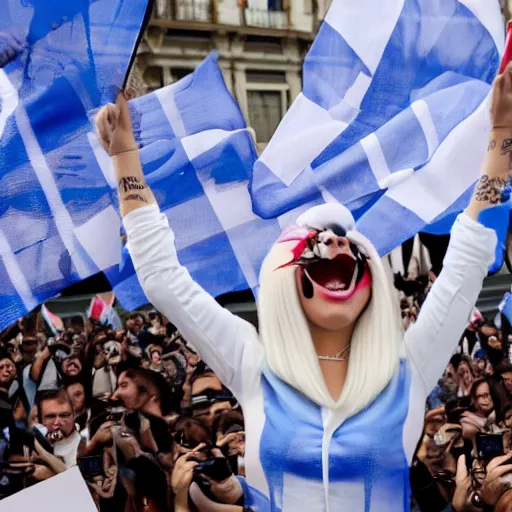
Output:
x,y
185,10
231,16
266,19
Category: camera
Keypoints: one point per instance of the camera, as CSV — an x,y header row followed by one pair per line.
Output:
x,y
456,407
216,468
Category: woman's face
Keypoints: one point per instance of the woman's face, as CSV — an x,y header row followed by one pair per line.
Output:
x,y
155,357
333,280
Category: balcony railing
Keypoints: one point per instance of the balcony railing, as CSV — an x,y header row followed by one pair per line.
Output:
x,y
205,11
266,18
193,10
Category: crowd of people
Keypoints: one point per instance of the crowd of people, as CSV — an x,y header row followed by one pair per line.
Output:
x,y
152,428
462,461
147,422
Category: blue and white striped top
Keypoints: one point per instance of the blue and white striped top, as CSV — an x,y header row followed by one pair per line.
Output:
x,y
300,456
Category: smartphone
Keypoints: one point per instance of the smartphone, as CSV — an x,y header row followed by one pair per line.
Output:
x,y
91,466
489,446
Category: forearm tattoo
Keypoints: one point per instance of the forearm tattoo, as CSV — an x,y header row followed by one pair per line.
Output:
x,y
135,197
506,146
129,183
490,190
492,145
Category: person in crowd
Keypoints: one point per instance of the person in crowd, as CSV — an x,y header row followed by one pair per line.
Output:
x,y
482,418
325,299
157,323
465,377
57,417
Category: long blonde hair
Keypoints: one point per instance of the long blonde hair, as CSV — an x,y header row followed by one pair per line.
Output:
x,y
376,341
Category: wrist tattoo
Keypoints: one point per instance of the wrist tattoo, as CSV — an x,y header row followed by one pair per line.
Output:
x,y
490,190
506,146
492,145
135,197
129,183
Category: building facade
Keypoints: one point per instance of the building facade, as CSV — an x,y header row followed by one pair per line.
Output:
x,y
261,46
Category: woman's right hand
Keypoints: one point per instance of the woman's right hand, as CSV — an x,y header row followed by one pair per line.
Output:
x,y
114,126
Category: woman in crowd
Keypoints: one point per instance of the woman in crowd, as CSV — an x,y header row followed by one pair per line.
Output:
x,y
331,393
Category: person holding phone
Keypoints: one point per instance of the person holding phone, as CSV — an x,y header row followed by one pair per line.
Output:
x,y
332,391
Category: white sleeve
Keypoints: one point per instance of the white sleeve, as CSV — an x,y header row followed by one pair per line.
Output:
x,y
431,341
228,344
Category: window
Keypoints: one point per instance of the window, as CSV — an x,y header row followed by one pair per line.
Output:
x,y
265,112
179,73
275,5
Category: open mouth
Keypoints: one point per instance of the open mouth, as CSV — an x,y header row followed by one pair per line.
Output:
x,y
338,278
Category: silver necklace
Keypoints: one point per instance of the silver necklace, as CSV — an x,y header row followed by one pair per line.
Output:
x,y
338,356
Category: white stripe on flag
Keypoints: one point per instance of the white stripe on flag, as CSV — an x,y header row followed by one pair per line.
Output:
x,y
16,274
305,131
60,215
226,199
376,158
366,25
166,98
9,100
103,159
465,145
356,93
199,143
422,112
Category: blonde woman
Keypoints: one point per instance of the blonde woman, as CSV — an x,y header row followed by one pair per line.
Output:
x,y
333,395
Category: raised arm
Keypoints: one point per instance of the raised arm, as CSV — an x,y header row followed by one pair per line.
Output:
x,y
445,314
228,344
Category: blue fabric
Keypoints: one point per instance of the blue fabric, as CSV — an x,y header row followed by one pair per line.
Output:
x,y
505,307
497,218
439,54
209,241
60,61
373,467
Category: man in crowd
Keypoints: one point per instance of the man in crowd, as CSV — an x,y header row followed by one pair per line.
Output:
x,y
57,416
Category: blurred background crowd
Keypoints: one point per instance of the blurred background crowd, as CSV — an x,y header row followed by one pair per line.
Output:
x,y
147,422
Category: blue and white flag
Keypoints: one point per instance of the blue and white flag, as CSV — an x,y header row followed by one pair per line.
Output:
x,y
392,121
197,157
59,61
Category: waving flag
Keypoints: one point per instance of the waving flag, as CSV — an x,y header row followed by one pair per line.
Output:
x,y
53,321
197,157
60,60
392,121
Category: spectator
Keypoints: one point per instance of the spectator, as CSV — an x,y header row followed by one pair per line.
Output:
x,y
465,376
57,416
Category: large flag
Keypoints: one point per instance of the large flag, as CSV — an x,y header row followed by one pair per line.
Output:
x,y
197,157
59,61
392,121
